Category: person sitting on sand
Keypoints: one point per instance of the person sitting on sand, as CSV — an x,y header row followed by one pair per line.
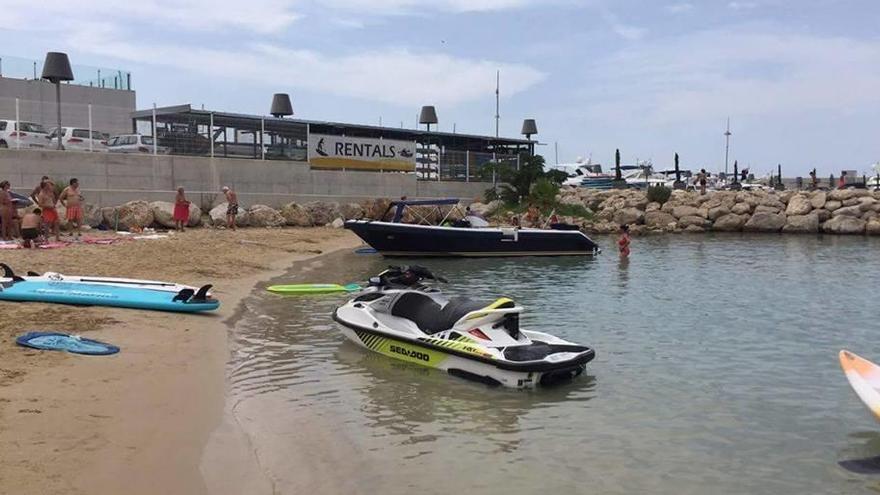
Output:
x,y
624,241
46,202
232,209
30,228
7,212
181,210
72,201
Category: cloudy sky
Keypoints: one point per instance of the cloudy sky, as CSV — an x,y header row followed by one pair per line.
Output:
x,y
800,80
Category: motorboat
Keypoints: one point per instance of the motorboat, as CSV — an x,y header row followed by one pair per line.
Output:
x,y
589,175
464,238
400,316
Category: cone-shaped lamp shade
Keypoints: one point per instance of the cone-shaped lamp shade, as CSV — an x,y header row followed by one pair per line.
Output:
x,y
57,67
428,115
529,127
281,105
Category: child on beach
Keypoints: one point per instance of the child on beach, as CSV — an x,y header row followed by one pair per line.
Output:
x,y
72,201
181,210
30,228
46,202
623,242
232,209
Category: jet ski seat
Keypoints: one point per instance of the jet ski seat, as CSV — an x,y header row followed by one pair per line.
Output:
x,y
430,316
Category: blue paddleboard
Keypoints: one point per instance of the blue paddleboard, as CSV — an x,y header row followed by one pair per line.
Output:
x,y
100,295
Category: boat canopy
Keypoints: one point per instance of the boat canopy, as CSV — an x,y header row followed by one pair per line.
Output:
x,y
404,203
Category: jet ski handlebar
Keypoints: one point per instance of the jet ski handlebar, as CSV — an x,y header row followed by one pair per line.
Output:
x,y
404,276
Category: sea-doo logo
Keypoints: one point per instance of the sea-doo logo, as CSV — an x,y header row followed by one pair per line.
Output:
x,y
413,354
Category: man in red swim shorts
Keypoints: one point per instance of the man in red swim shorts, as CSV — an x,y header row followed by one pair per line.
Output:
x,y
72,201
46,202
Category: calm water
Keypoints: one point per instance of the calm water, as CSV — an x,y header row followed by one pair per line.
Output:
x,y
716,372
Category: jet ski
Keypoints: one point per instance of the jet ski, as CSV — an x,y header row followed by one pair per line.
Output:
x,y
401,316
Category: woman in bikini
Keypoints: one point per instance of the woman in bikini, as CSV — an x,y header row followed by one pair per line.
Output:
x,y
623,242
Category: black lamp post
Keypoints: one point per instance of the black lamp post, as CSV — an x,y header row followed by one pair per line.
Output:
x,y
56,68
428,116
678,184
618,182
281,106
529,127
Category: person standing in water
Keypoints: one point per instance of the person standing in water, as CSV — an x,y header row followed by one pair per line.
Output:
x,y
232,209
624,241
72,201
181,210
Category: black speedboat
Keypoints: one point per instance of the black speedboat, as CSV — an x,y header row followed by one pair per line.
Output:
x,y
401,239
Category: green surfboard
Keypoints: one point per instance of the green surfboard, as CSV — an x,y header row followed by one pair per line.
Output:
x,y
312,288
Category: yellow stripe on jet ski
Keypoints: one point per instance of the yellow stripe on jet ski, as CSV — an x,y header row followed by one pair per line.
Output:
x,y
495,305
461,345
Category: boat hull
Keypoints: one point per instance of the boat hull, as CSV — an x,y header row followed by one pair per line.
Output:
x,y
398,239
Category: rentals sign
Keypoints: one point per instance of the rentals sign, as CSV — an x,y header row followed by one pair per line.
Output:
x,y
326,151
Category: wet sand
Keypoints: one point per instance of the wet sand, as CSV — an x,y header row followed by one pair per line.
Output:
x,y
137,421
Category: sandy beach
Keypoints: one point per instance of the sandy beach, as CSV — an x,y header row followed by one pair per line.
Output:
x,y
137,421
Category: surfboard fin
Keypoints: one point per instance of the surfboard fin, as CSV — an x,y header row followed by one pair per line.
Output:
x,y
32,274
8,273
202,294
184,295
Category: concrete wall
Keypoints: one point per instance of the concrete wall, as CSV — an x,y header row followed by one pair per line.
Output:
x,y
109,179
111,108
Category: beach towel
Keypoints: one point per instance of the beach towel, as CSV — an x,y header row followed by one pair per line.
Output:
x,y
53,245
53,341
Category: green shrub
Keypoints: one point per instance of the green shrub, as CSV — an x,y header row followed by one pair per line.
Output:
x,y
659,194
543,192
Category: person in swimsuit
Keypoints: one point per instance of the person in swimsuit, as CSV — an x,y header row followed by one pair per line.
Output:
x,y
72,201
7,212
46,202
36,191
181,210
623,242
30,228
232,209
841,183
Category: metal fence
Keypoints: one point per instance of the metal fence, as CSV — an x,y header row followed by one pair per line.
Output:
x,y
84,75
462,166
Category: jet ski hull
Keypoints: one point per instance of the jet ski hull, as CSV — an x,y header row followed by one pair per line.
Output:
x,y
463,360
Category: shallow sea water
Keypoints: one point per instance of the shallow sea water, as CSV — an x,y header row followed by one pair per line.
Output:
x,y
716,372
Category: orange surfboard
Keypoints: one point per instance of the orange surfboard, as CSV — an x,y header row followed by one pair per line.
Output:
x,y
864,377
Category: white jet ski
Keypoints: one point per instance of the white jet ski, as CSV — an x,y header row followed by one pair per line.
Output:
x,y
400,317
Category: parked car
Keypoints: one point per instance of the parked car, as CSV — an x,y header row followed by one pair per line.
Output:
x,y
134,143
23,134
77,139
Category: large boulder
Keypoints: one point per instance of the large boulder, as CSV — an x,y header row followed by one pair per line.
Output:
x,y
163,214
375,208
296,215
823,214
801,223
218,216
652,206
841,194
686,211
798,205
264,216
730,223
844,224
132,214
717,212
351,211
767,209
628,216
741,208
485,209
693,220
850,202
832,205
873,227
658,219
867,203
849,211
818,199
322,212
765,222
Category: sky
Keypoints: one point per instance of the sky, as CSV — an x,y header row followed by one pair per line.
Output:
x,y
799,80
